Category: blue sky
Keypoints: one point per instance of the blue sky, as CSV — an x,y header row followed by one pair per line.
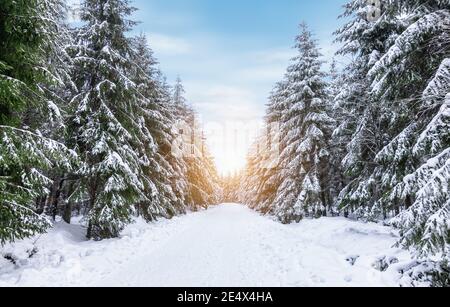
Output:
x,y
230,53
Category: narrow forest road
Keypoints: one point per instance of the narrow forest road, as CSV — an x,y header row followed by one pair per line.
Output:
x,y
227,245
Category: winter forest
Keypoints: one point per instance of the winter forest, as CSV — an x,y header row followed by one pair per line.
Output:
x,y
91,143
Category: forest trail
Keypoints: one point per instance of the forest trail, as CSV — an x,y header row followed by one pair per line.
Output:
x,y
228,245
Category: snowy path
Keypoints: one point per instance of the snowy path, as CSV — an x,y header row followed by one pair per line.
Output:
x,y
228,245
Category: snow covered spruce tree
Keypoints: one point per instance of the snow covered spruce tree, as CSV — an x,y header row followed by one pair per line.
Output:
x,y
258,184
231,187
261,179
203,183
295,183
107,126
306,129
339,138
362,122
59,91
27,30
395,100
165,183
412,80
249,188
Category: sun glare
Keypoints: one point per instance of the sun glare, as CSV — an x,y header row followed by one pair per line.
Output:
x,y
229,164
229,144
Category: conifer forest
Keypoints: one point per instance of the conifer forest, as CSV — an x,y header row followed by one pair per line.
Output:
x,y
103,158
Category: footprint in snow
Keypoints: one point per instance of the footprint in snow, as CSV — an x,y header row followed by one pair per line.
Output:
x,y
352,259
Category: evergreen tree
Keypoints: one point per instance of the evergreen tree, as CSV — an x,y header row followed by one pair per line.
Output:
x,y
340,137
306,129
52,119
158,114
261,179
202,180
404,71
362,124
26,155
412,81
107,125
231,187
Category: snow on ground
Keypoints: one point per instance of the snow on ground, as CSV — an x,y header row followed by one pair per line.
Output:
x,y
228,245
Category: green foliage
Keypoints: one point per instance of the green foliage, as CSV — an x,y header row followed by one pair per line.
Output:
x,y
25,157
21,36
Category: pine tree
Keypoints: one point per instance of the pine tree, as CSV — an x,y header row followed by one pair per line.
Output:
x,y
231,187
412,80
340,135
107,125
182,142
202,180
291,180
362,124
249,189
404,73
52,119
306,129
179,99
161,198
26,155
261,179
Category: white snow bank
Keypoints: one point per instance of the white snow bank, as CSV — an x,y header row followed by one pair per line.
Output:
x,y
228,245
64,257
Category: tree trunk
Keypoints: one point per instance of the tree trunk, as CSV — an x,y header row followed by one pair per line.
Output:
x,y
89,231
59,182
67,214
92,198
40,204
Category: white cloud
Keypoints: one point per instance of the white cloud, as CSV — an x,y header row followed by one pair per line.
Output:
x,y
220,103
274,55
263,73
168,45
266,66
